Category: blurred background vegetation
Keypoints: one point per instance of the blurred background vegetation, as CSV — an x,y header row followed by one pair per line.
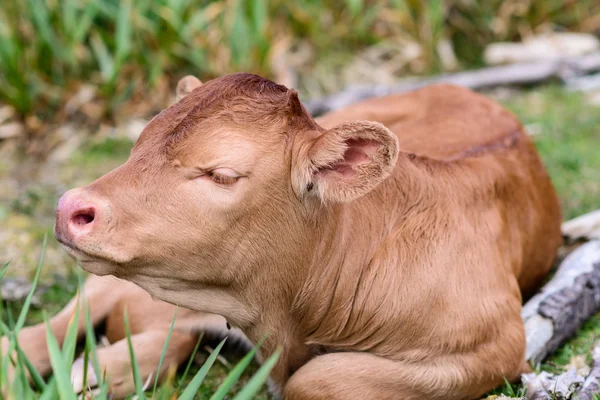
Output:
x,y
80,78
131,51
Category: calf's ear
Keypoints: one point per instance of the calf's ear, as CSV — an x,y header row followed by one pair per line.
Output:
x,y
346,161
186,85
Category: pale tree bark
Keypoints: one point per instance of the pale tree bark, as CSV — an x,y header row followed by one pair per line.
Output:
x,y
564,303
556,313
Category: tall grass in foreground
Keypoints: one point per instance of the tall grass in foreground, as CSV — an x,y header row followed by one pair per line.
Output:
x,y
59,385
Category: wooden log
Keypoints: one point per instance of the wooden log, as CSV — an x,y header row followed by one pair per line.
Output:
x,y
516,74
585,227
554,315
17,289
564,303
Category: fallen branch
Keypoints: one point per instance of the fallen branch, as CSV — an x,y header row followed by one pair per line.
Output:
x,y
17,289
564,304
564,69
554,315
585,227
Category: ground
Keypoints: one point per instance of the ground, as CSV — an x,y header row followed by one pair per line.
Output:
x,y
564,126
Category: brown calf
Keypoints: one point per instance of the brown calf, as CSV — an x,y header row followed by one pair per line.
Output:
x,y
385,247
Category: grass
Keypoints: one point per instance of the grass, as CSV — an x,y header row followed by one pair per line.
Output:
x,y
50,48
132,51
567,142
566,127
59,385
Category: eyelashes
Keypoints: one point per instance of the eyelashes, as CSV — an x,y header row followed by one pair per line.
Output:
x,y
223,176
222,179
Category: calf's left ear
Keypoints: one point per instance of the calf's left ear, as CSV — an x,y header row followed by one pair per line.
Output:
x,y
186,85
346,161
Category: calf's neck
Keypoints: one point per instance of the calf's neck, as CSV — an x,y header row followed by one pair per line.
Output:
x,y
385,248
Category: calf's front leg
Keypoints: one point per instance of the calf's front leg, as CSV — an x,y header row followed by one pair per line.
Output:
x,y
32,339
115,362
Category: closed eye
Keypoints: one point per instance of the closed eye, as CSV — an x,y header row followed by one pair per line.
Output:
x,y
223,176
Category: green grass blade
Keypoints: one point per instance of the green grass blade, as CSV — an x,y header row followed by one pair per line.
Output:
x,y
258,380
27,304
190,361
3,270
190,391
355,7
235,374
260,16
9,317
178,6
69,9
81,302
86,360
21,320
105,60
85,23
51,392
70,342
90,344
22,376
164,351
139,387
59,367
35,376
5,359
196,23
19,383
123,32
40,14
240,36
107,9
103,395
4,328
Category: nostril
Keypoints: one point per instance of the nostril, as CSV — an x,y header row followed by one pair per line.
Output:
x,y
83,217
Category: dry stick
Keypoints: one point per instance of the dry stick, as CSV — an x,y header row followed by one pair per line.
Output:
x,y
568,385
546,386
591,385
517,74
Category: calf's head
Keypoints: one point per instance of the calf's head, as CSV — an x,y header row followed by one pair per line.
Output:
x,y
230,179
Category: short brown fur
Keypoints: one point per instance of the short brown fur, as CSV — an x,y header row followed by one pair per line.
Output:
x,y
388,259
